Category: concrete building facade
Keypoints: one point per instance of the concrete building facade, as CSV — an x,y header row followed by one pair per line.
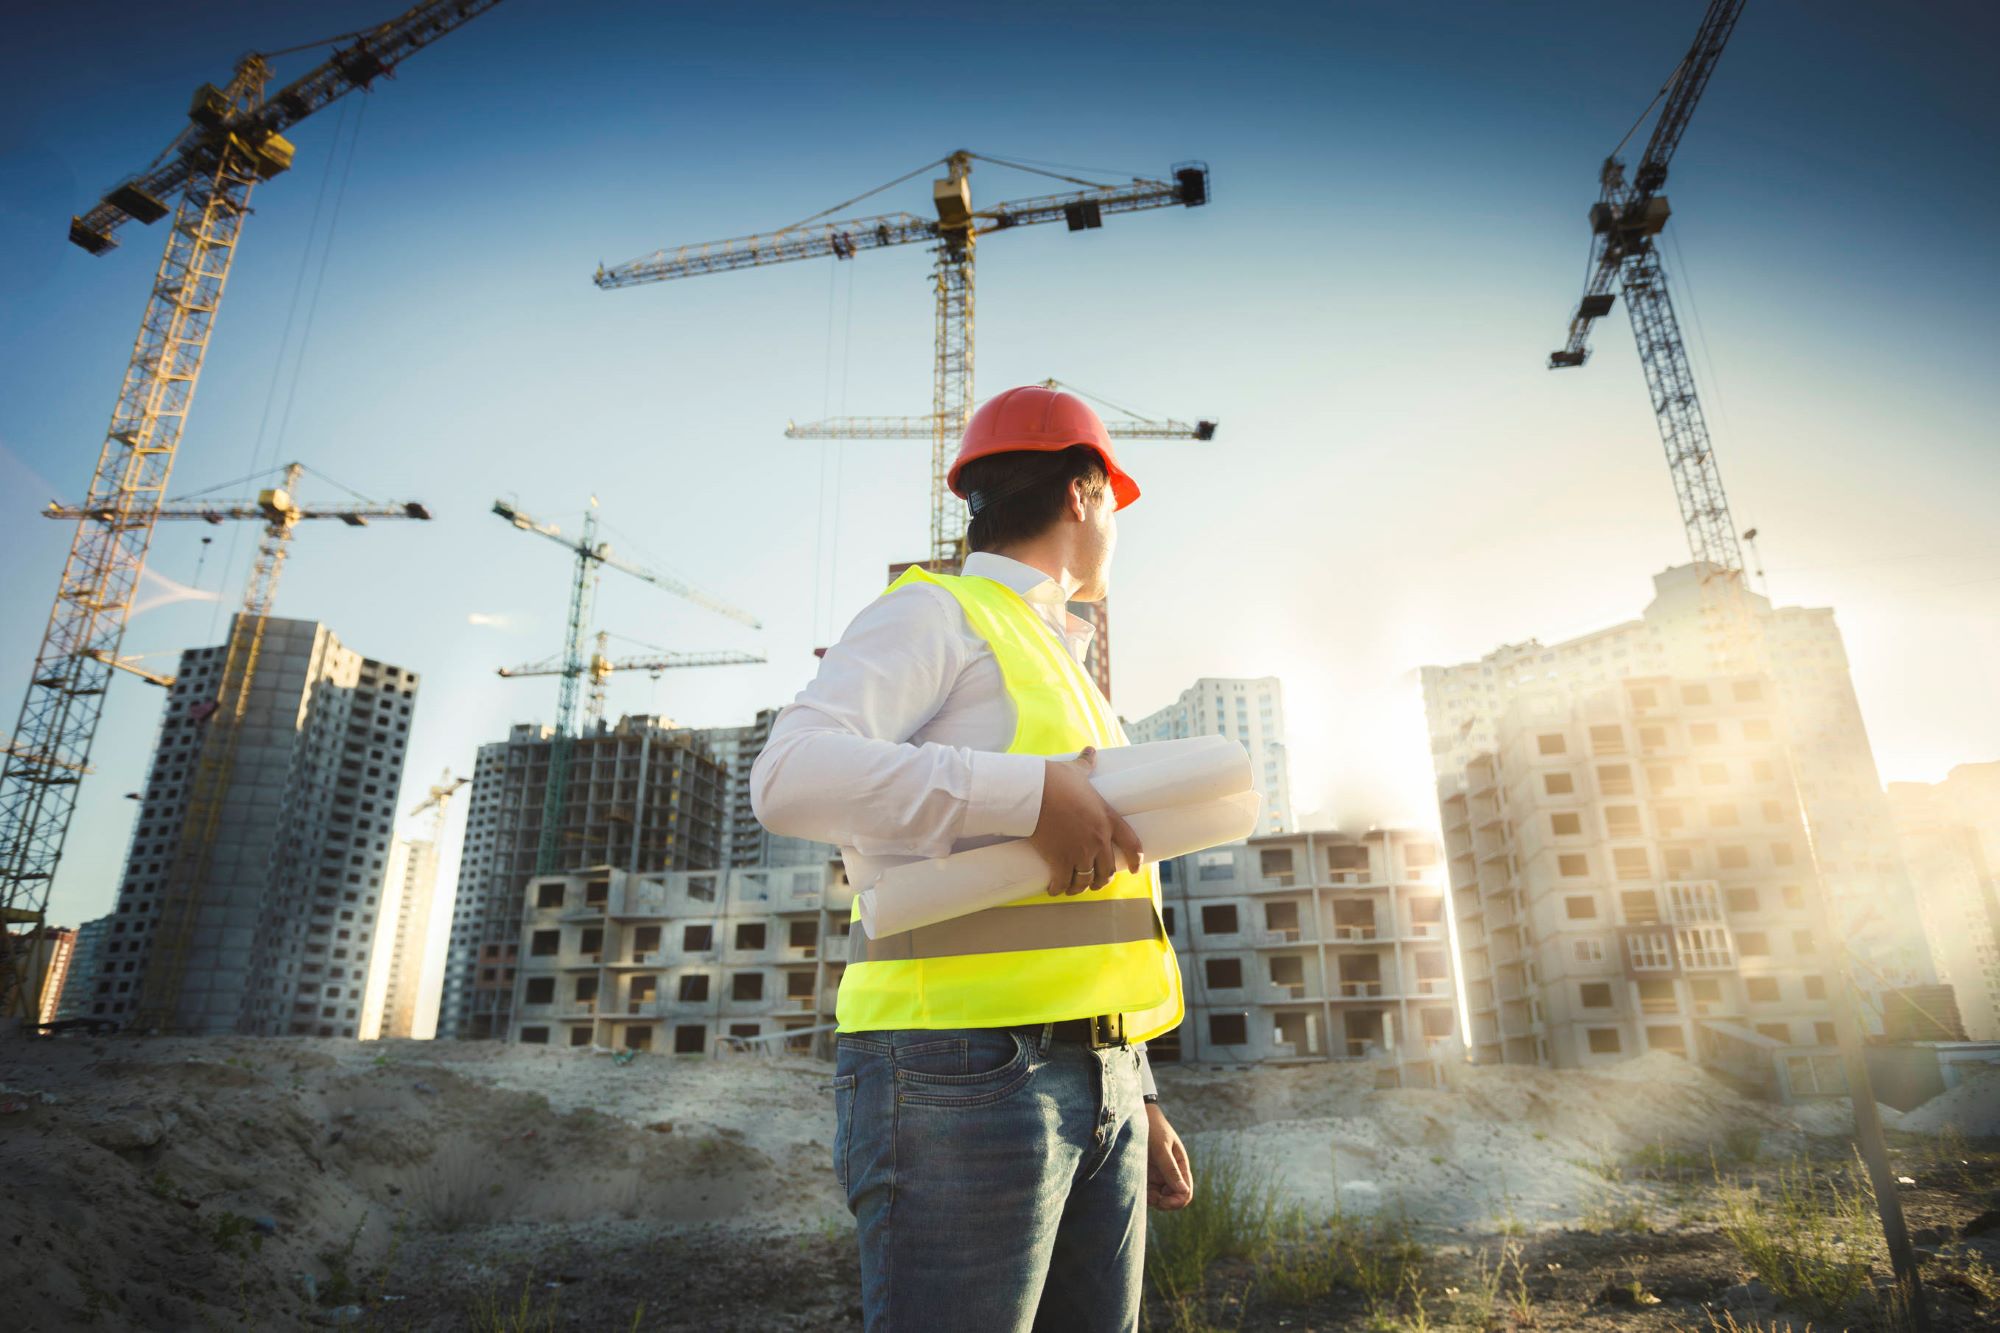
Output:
x,y
1315,946
642,796
745,842
682,962
408,895
282,938
1251,712
1681,635
83,964
1629,873
1950,834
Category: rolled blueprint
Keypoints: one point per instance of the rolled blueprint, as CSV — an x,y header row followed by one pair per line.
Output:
x,y
1162,774
924,893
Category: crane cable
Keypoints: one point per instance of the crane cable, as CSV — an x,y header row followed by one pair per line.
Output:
x,y
1658,97
866,194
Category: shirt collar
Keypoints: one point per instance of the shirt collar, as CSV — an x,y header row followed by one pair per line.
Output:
x,y
1037,589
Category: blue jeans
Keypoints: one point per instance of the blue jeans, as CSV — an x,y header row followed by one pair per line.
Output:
x,y
998,1181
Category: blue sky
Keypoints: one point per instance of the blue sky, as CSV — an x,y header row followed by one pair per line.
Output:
x,y
1395,243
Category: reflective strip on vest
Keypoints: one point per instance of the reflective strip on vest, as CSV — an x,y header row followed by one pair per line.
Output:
x,y
1013,929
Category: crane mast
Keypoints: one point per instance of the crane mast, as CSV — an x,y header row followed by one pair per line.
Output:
x,y
953,235
233,140
1625,224
575,662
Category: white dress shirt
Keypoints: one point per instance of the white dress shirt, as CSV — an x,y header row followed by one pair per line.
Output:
x,y
896,750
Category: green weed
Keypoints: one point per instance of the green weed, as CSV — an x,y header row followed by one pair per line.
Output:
x,y
340,1288
1630,1215
1813,1243
491,1315
1235,1215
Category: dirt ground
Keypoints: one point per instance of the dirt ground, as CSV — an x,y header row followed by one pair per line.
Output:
x,y
297,1183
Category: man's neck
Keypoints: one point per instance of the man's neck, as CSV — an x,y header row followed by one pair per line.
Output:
x,y
1048,558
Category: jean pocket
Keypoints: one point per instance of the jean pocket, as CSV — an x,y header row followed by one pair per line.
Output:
x,y
843,1120
1001,1068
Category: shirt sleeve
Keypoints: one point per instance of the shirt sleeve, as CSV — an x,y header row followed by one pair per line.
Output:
x,y
1147,1088
840,766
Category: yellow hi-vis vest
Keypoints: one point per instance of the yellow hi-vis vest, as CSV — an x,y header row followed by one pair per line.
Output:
x,y
1039,959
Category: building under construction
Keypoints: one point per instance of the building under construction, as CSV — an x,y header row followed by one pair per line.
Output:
x,y
1950,833
285,914
1316,946
1686,634
686,962
641,795
1629,853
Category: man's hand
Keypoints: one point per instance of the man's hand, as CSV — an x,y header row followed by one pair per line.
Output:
x,y
1169,1179
1082,839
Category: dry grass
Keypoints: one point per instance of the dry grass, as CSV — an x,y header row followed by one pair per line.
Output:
x,y
1813,1244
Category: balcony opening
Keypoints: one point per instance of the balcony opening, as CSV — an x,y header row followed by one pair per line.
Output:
x,y
747,986
1666,1037
690,1039
1282,920
1354,920
541,990
694,988
645,940
638,1036
750,935
1360,975
803,935
1223,973
697,939
1656,996
1297,1032
549,895
1363,1031
579,1035
1275,864
1288,975
1218,919
642,992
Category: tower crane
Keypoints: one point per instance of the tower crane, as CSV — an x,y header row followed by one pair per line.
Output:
x,y
592,556
600,668
1625,224
234,139
280,512
952,236
1125,425
437,802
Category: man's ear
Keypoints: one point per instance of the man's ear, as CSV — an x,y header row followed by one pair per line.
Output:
x,y
1079,503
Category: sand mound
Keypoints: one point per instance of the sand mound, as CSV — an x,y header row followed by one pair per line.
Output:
x,y
1972,1108
1501,1143
179,1184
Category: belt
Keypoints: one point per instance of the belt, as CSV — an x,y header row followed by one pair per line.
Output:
x,y
1096,1033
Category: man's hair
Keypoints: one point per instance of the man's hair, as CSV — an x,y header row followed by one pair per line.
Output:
x,y
1018,496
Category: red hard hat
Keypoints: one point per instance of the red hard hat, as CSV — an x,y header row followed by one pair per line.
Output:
x,y
1036,419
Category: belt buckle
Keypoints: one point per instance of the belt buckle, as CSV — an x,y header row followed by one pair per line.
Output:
x,y
1106,1030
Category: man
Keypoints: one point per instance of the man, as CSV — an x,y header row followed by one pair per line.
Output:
x,y
996,1126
